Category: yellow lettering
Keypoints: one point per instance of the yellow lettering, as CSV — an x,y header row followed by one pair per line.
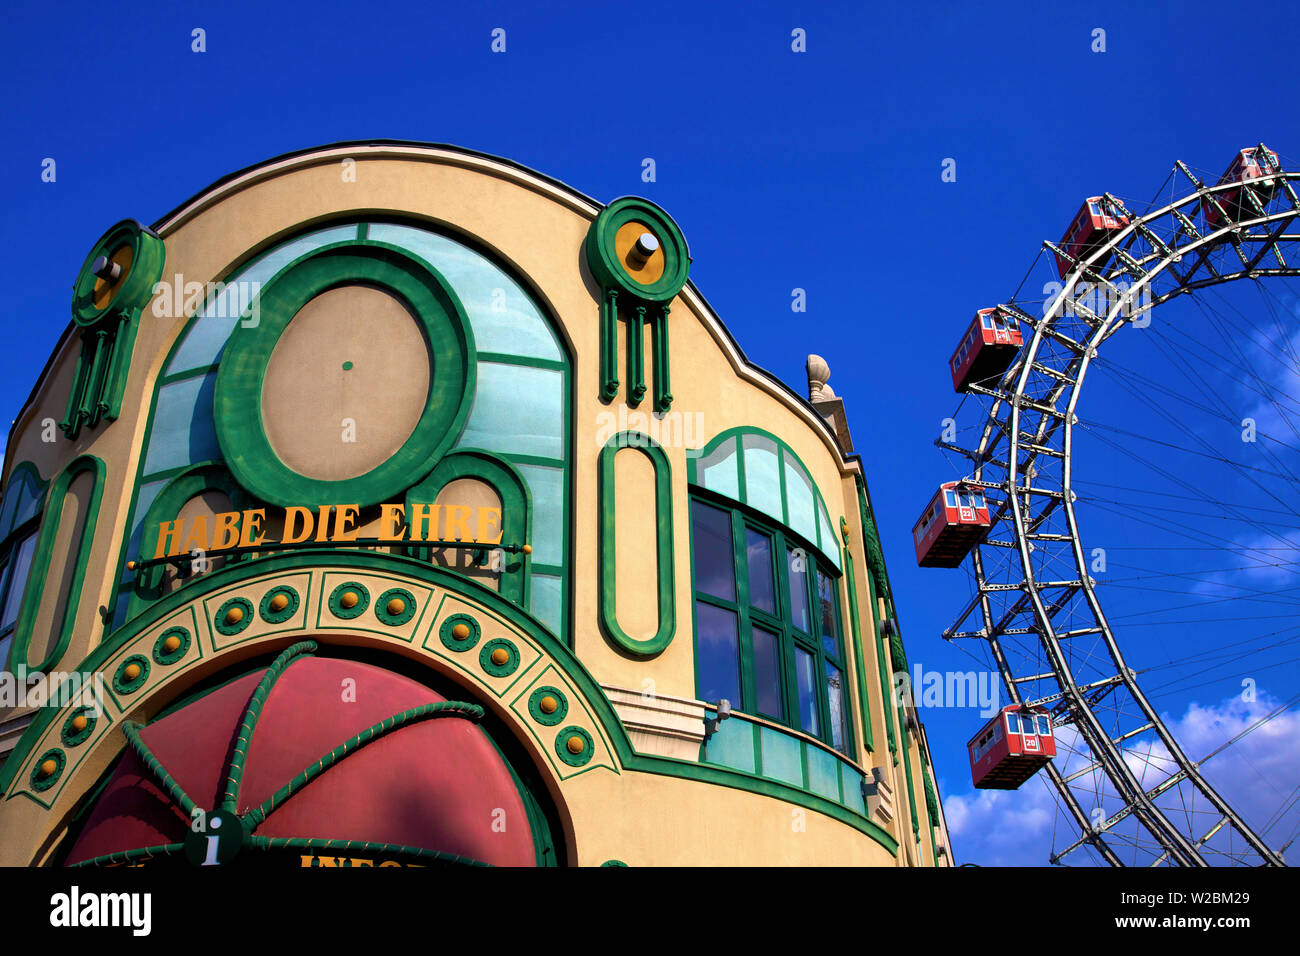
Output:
x,y
323,525
290,514
458,517
391,522
225,531
169,538
250,526
198,536
342,515
489,519
424,522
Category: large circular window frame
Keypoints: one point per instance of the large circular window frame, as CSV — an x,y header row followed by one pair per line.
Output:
x,y
426,294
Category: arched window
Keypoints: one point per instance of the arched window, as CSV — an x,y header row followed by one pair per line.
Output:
x,y
765,564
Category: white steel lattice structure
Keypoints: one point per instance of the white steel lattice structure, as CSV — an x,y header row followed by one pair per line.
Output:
x,y
1134,795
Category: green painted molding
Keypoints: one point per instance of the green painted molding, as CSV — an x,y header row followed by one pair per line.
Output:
x,y
667,577
828,550
594,697
516,509
859,652
195,480
238,400
147,256
40,570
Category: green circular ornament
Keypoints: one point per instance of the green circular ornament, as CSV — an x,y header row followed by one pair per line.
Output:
x,y
217,841
72,737
447,632
272,616
130,261
613,272
340,610
506,667
580,758
160,653
125,684
229,624
535,706
393,619
43,781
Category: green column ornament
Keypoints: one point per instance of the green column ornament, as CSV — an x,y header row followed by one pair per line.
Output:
x,y
115,283
640,260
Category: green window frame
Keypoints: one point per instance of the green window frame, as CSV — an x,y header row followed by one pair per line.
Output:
x,y
803,648
10,590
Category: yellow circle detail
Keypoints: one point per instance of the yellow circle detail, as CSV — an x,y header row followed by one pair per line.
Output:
x,y
349,599
279,602
131,672
79,723
102,294
233,616
48,767
130,565
500,656
396,606
645,271
549,705
171,644
576,745
460,631
528,549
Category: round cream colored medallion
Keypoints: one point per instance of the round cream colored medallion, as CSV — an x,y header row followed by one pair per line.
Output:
x,y
346,383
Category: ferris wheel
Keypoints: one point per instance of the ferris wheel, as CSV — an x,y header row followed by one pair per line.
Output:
x,y
1043,484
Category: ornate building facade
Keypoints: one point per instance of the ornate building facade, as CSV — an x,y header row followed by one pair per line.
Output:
x,y
389,503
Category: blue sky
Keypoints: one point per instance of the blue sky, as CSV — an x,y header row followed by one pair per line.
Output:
x,y
818,170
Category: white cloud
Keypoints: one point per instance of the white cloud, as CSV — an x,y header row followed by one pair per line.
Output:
x,y
1255,776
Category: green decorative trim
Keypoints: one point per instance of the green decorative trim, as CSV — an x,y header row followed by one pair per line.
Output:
x,y
450,641
611,273
131,730
42,783
233,627
74,738
585,685
583,756
614,279
123,857
859,652
161,655
613,863
666,583
252,712
108,334
147,255
499,670
516,509
535,706
191,481
78,560
447,708
129,685
349,613
408,607
426,294
828,550
286,612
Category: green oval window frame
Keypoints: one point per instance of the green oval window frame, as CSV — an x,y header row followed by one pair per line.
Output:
x,y
428,296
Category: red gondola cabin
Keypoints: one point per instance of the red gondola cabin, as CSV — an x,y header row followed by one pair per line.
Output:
x,y
956,519
986,349
1098,218
1011,748
1248,165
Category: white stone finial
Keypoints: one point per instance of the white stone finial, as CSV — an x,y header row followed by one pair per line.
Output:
x,y
818,374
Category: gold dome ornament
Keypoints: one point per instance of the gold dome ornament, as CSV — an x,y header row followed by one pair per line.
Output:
x,y
79,723
396,606
460,631
279,602
234,615
548,705
132,671
349,599
575,745
48,767
500,656
172,643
